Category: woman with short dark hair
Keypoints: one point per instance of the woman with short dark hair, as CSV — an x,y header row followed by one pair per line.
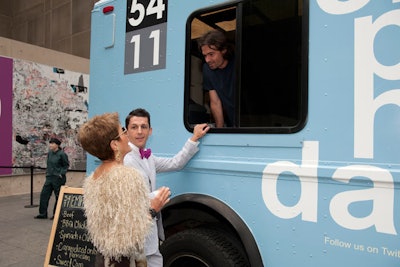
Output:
x,y
116,199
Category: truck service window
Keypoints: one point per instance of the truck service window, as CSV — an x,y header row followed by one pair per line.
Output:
x,y
269,40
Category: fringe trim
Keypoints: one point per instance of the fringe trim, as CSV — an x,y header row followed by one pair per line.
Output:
x,y
117,209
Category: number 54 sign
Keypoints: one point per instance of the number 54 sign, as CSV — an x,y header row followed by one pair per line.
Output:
x,y
146,35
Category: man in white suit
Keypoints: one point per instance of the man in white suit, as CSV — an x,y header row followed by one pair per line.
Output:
x,y
139,129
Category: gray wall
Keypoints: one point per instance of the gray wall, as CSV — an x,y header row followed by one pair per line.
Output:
x,y
61,25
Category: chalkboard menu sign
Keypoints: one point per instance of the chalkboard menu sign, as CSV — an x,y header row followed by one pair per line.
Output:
x,y
69,243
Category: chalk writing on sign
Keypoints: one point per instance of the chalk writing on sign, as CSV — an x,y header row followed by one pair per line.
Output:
x,y
69,243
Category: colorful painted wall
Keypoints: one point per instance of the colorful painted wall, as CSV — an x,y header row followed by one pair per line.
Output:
x,y
38,102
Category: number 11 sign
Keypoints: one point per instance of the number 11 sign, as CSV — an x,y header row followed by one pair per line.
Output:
x,y
146,35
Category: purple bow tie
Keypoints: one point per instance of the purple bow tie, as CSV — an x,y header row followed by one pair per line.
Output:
x,y
145,153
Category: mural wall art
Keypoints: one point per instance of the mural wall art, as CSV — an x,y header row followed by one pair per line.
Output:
x,y
46,102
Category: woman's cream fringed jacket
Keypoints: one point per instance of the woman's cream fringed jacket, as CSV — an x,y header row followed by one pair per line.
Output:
x,y
117,209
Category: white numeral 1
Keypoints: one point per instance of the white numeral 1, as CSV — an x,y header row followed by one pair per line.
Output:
x,y
136,39
156,48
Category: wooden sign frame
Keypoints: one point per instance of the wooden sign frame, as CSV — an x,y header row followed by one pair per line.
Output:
x,y
73,247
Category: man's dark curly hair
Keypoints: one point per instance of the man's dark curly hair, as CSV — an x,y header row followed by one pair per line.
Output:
x,y
216,39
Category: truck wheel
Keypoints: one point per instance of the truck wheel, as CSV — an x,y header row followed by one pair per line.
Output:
x,y
203,247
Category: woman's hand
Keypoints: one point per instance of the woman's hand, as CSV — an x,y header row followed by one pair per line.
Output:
x,y
160,199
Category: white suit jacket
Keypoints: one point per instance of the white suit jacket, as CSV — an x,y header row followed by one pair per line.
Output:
x,y
148,168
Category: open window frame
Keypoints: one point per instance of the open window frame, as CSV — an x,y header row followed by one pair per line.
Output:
x,y
271,64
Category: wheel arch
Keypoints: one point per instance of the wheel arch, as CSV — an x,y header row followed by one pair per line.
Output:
x,y
193,210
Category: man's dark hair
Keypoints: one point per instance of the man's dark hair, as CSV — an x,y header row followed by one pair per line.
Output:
x,y
139,112
218,40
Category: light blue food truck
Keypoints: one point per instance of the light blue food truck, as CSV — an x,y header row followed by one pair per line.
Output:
x,y
309,174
